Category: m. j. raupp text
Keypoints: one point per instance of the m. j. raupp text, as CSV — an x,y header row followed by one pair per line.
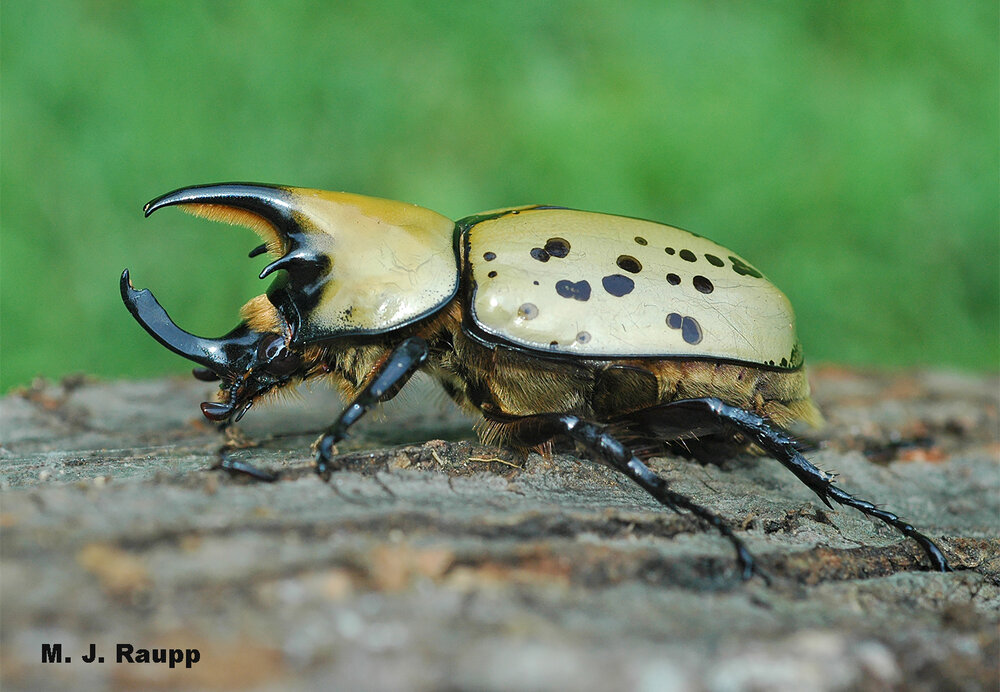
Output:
x,y
126,653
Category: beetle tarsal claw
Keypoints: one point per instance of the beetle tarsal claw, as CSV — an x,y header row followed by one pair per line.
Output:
x,y
243,411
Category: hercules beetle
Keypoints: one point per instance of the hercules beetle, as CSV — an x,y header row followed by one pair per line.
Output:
x,y
547,321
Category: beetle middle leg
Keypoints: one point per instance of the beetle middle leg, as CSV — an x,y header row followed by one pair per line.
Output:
x,y
394,373
532,430
710,415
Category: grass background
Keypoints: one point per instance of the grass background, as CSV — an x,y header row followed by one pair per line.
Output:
x,y
849,150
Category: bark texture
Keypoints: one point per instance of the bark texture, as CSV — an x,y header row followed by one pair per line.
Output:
x,y
431,562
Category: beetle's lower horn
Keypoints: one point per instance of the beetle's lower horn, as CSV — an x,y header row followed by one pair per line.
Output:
x,y
218,355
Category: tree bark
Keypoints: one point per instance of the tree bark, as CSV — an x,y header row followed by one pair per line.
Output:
x,y
432,562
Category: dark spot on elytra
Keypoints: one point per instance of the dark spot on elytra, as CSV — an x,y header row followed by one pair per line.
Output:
x,y
691,330
784,362
579,290
535,282
669,250
703,284
629,264
583,337
713,260
557,247
618,285
687,256
673,279
539,254
744,269
489,256
553,344
640,240
492,275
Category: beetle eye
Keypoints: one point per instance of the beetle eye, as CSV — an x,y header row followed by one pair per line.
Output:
x,y
270,347
277,358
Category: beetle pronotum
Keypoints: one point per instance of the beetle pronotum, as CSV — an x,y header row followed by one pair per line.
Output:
x,y
547,321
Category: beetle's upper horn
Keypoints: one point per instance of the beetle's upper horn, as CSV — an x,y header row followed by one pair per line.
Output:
x,y
223,355
225,201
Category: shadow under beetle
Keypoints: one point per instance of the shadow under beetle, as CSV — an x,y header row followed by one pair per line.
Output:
x,y
615,332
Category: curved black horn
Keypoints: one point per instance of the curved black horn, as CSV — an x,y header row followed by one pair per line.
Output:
x,y
270,202
224,355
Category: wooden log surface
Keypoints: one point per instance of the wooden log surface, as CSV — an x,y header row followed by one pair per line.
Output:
x,y
432,562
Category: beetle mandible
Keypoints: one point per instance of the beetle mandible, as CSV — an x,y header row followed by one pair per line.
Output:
x,y
545,320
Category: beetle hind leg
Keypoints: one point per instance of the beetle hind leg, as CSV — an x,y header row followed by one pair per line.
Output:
x,y
533,430
710,415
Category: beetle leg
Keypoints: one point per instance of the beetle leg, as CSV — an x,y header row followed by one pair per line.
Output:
x,y
532,430
397,369
710,412
236,466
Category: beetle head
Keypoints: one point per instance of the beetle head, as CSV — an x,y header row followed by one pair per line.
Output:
x,y
248,363
260,354
346,265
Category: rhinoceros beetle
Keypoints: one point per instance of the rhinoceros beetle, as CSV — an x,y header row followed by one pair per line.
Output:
x,y
549,322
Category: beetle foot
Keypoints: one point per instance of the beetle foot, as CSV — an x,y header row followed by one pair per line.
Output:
x,y
326,449
239,467
235,440
748,565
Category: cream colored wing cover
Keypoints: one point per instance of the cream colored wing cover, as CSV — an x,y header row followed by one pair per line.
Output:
x,y
573,282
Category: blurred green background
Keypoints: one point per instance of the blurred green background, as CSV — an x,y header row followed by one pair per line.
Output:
x,y
849,150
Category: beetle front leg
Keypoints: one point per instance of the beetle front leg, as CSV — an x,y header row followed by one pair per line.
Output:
x,y
712,414
394,373
532,430
236,466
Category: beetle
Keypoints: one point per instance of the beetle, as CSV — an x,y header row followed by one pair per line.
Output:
x,y
615,332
